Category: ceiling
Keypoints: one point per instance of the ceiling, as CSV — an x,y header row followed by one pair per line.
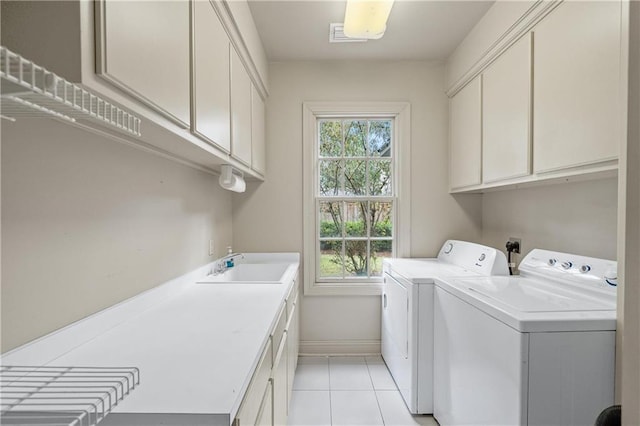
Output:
x,y
417,29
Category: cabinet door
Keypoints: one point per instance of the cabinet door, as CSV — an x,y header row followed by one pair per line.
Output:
x,y
293,345
145,51
465,139
576,85
280,397
265,416
258,148
252,401
240,111
506,112
211,109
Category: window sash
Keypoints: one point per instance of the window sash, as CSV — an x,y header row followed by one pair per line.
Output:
x,y
342,198
343,238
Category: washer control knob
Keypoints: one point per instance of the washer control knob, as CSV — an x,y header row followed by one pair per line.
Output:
x,y
482,257
567,265
448,248
585,268
552,262
611,277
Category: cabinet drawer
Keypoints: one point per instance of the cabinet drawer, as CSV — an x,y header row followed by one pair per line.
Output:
x,y
248,412
292,299
291,314
278,331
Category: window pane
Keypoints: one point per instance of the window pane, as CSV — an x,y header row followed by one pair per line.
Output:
x,y
330,138
381,223
355,264
355,177
355,219
379,249
330,219
355,133
331,260
379,139
380,177
330,177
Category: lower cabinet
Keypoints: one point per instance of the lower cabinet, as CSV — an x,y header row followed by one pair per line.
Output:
x,y
265,415
293,345
280,382
267,399
253,398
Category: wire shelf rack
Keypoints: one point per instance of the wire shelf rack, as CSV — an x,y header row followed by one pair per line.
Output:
x,y
70,396
31,90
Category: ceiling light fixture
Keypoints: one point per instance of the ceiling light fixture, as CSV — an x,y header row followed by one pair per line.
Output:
x,y
367,18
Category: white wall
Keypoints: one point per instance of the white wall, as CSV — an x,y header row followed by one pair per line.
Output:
x,y
578,217
268,217
88,222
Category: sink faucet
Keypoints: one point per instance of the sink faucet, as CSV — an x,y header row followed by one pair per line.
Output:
x,y
221,264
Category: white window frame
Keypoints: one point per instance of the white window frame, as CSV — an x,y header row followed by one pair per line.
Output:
x,y
401,145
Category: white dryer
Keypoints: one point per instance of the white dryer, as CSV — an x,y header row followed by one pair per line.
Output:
x,y
534,349
407,312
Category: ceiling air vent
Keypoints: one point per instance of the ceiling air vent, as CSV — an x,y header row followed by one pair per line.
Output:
x,y
336,35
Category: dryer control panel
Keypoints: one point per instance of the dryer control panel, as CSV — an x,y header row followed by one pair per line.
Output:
x,y
474,257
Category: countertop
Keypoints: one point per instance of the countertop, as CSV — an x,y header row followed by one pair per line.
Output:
x,y
196,345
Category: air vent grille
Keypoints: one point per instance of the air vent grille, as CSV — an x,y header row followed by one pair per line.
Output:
x,y
336,35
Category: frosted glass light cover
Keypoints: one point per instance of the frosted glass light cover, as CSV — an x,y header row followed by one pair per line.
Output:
x,y
367,18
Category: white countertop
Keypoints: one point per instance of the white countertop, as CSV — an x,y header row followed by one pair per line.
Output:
x,y
196,346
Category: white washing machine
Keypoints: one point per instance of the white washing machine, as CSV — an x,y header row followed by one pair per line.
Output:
x,y
407,313
534,349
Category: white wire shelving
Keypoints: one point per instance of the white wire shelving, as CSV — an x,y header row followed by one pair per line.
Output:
x,y
31,90
69,396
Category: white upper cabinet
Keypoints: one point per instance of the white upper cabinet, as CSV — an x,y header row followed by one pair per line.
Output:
x,y
506,112
240,111
146,52
577,85
465,138
211,79
258,147
166,61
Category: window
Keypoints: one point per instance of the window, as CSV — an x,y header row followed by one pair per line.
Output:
x,y
352,194
355,197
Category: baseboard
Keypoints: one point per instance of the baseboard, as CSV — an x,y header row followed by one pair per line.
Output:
x,y
340,347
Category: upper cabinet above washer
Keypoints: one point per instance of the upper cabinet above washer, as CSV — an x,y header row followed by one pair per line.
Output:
x,y
506,114
577,114
465,142
552,104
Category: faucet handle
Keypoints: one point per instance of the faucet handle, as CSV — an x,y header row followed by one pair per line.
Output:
x,y
229,250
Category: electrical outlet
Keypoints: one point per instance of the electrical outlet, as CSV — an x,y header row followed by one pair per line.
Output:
x,y
210,247
516,248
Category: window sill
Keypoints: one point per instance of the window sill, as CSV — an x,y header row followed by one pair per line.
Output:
x,y
341,289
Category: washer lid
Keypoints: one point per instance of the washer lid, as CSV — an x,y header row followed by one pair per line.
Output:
x,y
530,295
533,305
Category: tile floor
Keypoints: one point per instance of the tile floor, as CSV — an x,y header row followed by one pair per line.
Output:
x,y
348,391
